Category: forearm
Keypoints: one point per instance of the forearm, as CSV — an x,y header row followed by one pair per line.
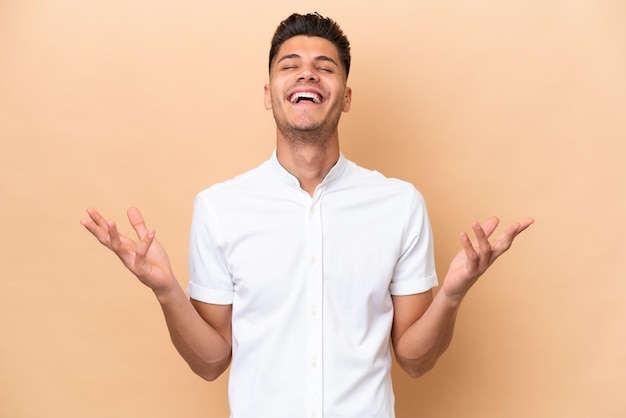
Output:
x,y
197,339
420,346
205,350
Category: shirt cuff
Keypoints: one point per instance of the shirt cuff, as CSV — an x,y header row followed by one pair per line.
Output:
x,y
414,286
217,297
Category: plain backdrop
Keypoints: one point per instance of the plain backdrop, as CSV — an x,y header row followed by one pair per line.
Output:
x,y
513,109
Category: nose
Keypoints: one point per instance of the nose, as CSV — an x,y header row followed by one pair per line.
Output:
x,y
308,74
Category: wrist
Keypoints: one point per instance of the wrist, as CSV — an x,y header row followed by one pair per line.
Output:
x,y
168,293
451,301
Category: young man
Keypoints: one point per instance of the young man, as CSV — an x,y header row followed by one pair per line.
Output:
x,y
307,268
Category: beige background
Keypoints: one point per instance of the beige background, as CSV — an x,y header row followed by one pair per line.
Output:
x,y
512,108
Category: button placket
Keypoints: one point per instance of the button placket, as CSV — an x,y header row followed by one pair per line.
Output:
x,y
315,289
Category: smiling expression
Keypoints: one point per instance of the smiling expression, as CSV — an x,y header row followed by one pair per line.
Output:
x,y
307,89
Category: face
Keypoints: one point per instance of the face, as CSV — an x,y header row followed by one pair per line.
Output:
x,y
307,89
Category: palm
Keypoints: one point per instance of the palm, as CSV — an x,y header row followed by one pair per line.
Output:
x,y
152,268
145,258
476,256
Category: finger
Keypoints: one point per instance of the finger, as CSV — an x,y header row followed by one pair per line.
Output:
x,y
470,253
136,220
144,245
490,225
96,225
518,227
114,237
484,246
504,242
479,232
97,218
91,226
525,224
141,265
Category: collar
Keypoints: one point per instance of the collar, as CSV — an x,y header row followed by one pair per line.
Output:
x,y
286,177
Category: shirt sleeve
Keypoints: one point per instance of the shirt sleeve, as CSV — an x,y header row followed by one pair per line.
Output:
x,y
415,271
210,280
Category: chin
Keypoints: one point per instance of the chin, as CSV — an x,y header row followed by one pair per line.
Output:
x,y
305,126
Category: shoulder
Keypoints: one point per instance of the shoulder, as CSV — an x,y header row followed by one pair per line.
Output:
x,y
237,186
361,180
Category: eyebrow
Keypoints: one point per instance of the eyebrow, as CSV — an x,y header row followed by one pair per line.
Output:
x,y
319,58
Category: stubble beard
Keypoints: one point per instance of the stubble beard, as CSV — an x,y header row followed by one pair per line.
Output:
x,y
316,134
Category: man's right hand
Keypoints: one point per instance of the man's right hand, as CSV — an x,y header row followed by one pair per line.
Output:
x,y
201,332
145,258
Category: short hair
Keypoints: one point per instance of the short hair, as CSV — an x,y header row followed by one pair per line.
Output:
x,y
312,24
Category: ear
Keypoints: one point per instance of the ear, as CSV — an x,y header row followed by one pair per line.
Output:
x,y
347,100
267,97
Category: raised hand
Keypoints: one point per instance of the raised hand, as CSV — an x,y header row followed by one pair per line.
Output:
x,y
476,256
145,258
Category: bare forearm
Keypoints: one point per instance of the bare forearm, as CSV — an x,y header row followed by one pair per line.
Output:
x,y
421,345
205,350
197,339
423,335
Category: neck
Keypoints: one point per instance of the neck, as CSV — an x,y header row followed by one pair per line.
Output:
x,y
309,162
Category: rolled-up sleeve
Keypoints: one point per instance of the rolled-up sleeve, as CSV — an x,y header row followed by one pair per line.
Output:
x,y
209,278
415,271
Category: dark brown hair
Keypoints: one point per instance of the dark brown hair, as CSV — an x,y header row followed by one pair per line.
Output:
x,y
312,24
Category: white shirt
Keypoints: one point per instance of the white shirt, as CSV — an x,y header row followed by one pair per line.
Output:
x,y
310,280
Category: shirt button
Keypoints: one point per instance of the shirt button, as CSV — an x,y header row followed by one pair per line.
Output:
x,y
313,260
314,312
313,364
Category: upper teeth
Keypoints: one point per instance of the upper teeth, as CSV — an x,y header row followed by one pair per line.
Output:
x,y
305,95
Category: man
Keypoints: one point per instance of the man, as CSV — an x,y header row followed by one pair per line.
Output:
x,y
305,269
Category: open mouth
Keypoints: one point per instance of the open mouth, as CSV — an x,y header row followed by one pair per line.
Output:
x,y
305,96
